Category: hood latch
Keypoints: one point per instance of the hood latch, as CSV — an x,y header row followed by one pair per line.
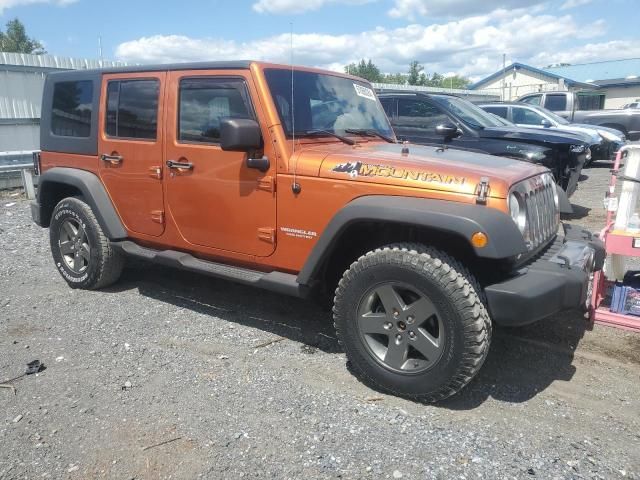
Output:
x,y
482,191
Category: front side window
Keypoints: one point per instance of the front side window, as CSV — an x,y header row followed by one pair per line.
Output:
x,y
468,112
325,102
555,103
71,109
524,116
532,100
132,109
204,102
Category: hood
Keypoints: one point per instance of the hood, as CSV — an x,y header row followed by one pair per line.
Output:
x,y
595,128
455,171
589,130
533,135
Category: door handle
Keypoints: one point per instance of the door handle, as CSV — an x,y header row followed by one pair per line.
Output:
x,y
180,165
112,159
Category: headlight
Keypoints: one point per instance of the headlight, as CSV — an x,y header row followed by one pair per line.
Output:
x,y
588,157
536,156
612,137
518,212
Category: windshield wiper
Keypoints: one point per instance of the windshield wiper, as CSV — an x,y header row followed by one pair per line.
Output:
x,y
370,133
346,140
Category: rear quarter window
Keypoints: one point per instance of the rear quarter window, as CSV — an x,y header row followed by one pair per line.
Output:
x,y
71,109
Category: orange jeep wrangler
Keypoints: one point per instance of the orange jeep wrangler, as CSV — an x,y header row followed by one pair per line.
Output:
x,y
291,179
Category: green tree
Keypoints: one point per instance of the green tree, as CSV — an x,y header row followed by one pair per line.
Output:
x,y
364,69
416,75
15,39
394,78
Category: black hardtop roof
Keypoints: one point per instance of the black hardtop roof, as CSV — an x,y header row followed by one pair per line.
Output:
x,y
162,67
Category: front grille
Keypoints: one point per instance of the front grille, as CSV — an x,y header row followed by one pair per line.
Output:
x,y
537,196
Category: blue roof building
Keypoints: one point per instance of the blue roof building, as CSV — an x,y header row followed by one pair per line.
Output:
x,y
618,80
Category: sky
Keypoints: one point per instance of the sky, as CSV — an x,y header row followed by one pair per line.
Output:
x,y
465,37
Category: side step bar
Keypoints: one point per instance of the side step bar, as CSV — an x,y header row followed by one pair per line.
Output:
x,y
279,282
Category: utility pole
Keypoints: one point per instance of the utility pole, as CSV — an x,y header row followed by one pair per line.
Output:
x,y
100,49
504,74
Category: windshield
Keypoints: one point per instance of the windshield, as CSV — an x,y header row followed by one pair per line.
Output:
x,y
325,102
554,116
469,113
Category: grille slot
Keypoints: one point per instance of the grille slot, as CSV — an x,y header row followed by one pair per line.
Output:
x,y
543,217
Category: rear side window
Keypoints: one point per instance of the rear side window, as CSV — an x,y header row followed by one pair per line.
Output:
x,y
555,103
419,115
71,110
132,109
204,102
500,111
389,105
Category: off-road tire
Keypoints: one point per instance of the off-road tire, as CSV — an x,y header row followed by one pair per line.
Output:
x,y
104,264
452,290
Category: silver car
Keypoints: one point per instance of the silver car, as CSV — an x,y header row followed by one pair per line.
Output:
x,y
605,141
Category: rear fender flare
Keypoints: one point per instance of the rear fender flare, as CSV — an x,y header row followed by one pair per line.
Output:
x,y
93,192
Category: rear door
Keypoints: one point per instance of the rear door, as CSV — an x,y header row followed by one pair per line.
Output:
x,y
130,148
214,199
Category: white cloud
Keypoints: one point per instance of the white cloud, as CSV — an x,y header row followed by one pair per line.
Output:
x,y
471,46
574,3
591,52
298,6
4,4
454,8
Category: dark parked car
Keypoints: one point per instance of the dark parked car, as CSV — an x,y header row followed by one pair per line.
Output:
x,y
434,119
605,141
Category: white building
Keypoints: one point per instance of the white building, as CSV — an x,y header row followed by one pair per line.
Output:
x,y
618,80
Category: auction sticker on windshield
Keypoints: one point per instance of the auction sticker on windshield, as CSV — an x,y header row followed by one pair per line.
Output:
x,y
364,92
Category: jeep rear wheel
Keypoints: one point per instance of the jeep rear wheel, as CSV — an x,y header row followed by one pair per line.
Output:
x,y
82,253
412,322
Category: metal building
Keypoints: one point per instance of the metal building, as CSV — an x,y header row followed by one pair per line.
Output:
x,y
21,81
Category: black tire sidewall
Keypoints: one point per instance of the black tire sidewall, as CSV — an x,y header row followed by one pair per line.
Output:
x,y
74,208
423,383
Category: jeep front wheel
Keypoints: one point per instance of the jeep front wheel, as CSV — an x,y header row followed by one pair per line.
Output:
x,y
82,253
412,322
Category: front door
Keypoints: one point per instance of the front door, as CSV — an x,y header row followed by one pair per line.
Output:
x,y
130,148
213,198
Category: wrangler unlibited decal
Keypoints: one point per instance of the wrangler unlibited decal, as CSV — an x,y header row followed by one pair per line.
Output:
x,y
367,170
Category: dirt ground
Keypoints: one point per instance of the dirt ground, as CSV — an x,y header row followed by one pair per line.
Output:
x,y
173,375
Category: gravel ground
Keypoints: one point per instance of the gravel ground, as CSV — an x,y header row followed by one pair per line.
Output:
x,y
166,356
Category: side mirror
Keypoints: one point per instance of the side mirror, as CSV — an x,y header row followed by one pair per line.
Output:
x,y
448,131
545,123
240,135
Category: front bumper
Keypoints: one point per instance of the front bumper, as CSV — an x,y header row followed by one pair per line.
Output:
x,y
555,281
606,150
573,172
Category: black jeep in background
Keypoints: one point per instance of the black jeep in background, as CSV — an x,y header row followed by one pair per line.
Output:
x,y
434,119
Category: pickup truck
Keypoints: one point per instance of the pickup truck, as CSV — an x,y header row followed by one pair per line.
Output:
x,y
587,107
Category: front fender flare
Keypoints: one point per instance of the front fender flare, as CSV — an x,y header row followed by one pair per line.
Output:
x,y
460,219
